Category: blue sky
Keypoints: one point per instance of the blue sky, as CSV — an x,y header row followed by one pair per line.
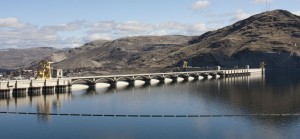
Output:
x,y
71,23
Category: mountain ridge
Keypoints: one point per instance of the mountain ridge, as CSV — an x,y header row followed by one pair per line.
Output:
x,y
272,37
271,32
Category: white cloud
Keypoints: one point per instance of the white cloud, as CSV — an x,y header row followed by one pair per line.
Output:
x,y
99,36
200,27
297,13
133,26
240,15
102,25
200,4
159,33
174,28
10,23
72,26
262,1
14,33
172,25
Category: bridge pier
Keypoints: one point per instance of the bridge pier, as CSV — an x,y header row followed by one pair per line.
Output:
x,y
69,88
185,78
92,84
205,76
4,94
91,90
113,84
222,75
6,91
131,82
214,75
147,81
19,92
162,80
174,79
196,77
34,91
48,90
61,89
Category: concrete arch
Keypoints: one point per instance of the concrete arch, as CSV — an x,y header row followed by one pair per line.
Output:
x,y
171,76
212,74
104,80
195,75
220,72
83,81
125,79
184,75
142,78
159,77
204,75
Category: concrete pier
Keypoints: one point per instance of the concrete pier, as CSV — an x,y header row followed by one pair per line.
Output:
x,y
33,87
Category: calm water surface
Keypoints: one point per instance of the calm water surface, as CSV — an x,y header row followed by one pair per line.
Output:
x,y
277,92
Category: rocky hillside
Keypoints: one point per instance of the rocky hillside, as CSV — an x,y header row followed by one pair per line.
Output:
x,y
272,37
20,58
71,52
15,58
124,53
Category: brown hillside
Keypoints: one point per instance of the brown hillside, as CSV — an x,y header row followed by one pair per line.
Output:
x,y
126,53
273,37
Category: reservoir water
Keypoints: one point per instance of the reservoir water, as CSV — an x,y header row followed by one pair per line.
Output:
x,y
240,107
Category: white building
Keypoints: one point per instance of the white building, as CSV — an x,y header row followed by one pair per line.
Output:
x,y
57,73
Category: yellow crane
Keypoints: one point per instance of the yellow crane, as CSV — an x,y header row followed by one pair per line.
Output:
x,y
44,70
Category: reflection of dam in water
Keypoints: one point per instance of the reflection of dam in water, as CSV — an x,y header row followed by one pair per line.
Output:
x,y
39,103
30,97
52,103
253,94
249,107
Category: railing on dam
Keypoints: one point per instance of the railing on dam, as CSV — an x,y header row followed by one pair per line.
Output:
x,y
62,83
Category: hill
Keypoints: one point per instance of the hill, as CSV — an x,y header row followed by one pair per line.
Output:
x,y
272,37
124,53
20,58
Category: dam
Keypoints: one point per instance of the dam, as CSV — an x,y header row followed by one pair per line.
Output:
x,y
57,85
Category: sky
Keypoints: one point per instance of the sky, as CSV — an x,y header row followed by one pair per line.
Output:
x,y
72,23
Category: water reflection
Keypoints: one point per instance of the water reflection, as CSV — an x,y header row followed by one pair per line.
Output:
x,y
278,92
257,95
